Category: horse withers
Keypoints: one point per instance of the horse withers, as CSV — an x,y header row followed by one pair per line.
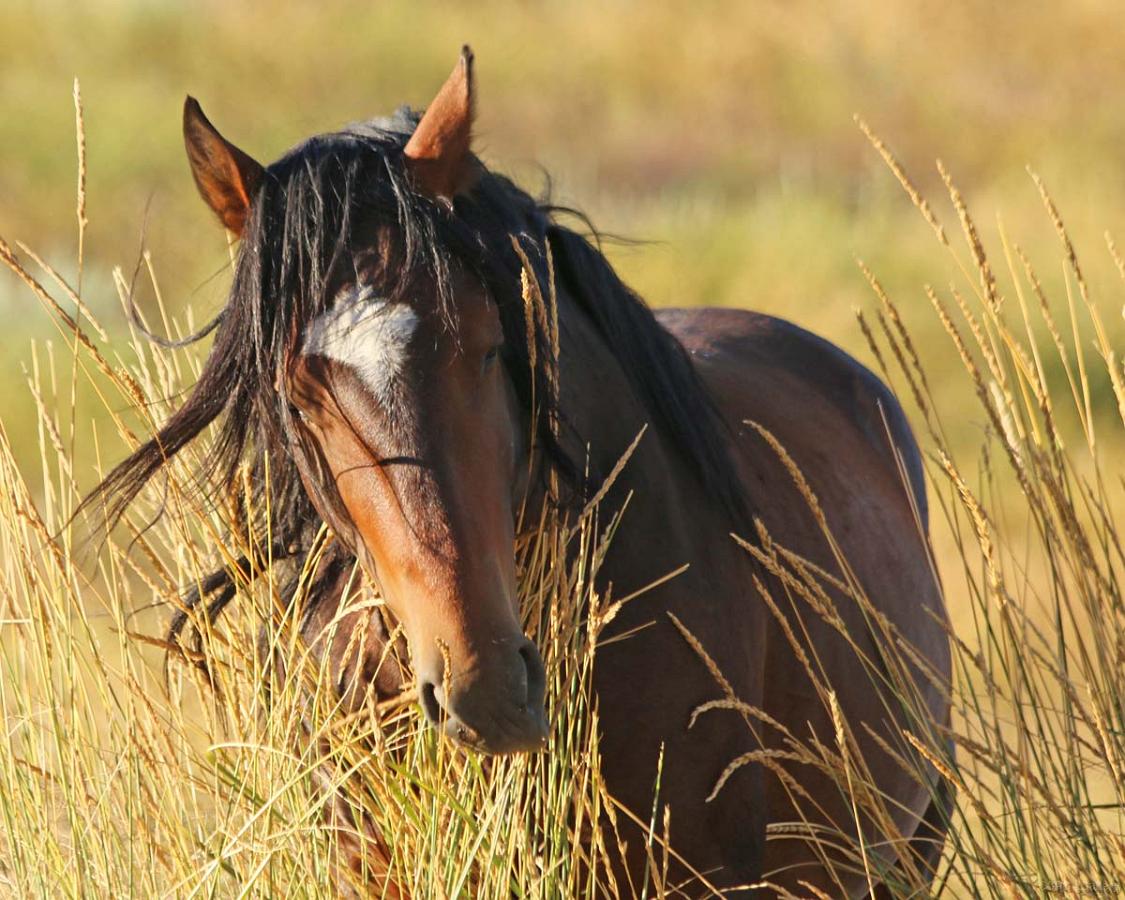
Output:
x,y
376,360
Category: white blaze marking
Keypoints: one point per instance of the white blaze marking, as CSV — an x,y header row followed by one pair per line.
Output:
x,y
367,333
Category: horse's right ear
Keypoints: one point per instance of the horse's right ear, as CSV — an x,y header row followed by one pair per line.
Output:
x,y
226,177
438,154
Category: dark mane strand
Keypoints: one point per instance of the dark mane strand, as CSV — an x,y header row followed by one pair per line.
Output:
x,y
314,209
659,368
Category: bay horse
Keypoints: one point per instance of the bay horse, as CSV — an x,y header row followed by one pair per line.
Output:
x,y
376,359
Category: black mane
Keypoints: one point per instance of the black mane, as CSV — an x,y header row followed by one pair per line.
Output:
x,y
305,223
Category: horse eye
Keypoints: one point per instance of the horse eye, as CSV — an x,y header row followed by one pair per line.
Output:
x,y
491,356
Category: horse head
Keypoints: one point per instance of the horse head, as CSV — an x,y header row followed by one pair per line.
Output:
x,y
394,397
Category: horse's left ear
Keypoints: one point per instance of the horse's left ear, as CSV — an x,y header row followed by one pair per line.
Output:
x,y
226,177
438,154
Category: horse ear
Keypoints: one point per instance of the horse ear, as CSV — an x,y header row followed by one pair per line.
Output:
x,y
438,154
226,177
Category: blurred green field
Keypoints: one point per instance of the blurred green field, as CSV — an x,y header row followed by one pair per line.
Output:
x,y
718,134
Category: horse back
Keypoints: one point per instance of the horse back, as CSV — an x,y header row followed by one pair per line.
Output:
x,y
758,348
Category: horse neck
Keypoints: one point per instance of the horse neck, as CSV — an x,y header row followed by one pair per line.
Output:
x,y
604,416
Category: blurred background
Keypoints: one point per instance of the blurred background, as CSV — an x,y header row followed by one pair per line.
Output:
x,y
720,135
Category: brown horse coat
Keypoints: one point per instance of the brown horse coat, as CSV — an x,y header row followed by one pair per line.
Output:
x,y
843,428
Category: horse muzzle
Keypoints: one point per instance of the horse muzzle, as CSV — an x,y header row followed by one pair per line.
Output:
x,y
495,707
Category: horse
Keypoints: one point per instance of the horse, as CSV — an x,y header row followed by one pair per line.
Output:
x,y
377,360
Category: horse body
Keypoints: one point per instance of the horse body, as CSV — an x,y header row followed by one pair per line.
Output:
x,y
849,437
418,466
843,428
799,388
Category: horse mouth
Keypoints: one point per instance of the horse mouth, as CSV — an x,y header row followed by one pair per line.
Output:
x,y
521,729
529,738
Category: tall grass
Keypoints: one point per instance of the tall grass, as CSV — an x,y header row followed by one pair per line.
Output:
x,y
222,773
231,763
1035,745
121,776
1035,520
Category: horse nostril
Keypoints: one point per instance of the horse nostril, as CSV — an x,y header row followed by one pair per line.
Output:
x,y
427,695
536,677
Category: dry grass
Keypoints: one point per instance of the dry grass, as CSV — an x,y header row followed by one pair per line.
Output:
x,y
1033,517
121,778
1037,738
115,781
